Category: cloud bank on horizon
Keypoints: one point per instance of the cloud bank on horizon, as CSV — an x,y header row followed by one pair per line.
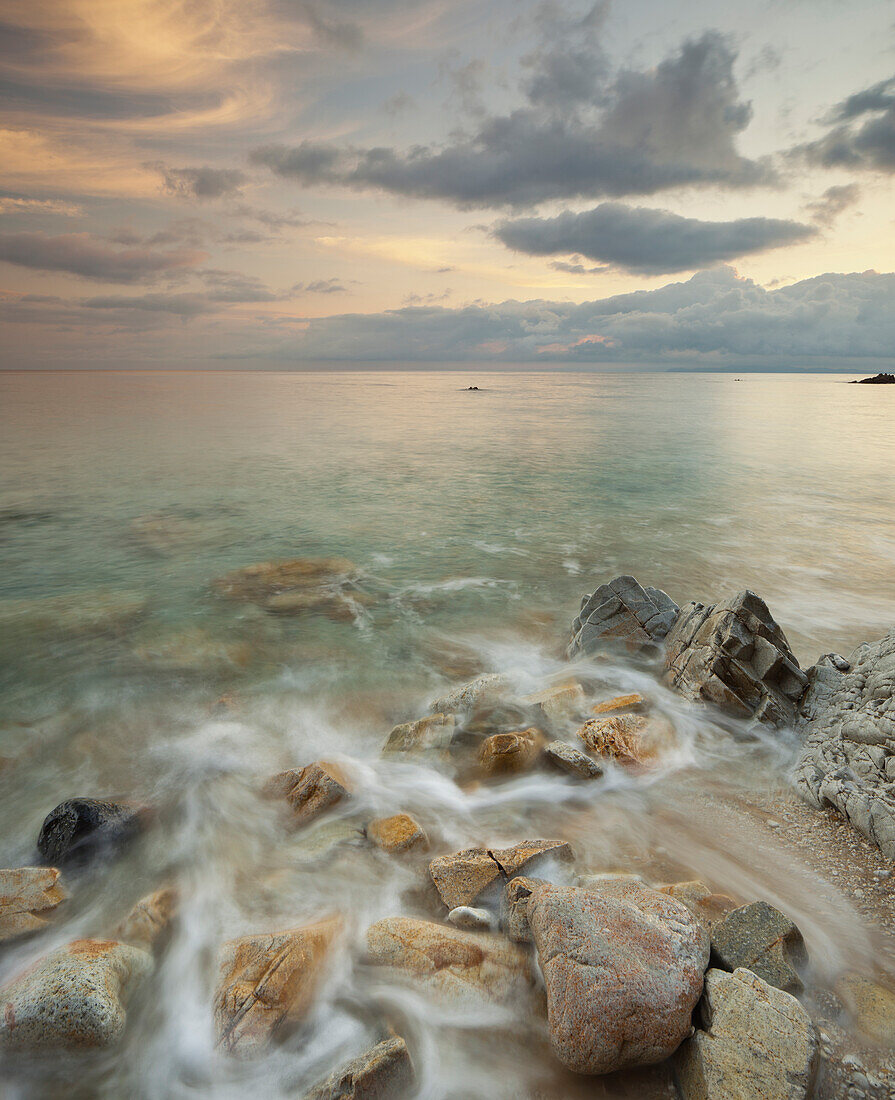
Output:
x,y
437,181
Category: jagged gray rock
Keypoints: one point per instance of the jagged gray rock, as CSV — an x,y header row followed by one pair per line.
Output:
x,y
735,655
625,613
760,938
848,728
383,1071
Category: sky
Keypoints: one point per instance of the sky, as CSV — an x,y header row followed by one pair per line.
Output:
x,y
612,185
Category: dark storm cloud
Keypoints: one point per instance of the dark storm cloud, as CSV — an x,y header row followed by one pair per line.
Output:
x,y
670,126
862,133
200,183
714,317
647,242
569,67
80,254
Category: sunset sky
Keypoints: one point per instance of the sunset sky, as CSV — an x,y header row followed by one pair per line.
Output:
x,y
275,182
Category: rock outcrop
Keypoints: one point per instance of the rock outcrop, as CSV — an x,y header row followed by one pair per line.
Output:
x,y
310,791
83,829
623,966
268,982
622,613
463,877
456,965
734,655
385,1072
848,730
27,895
758,1043
760,938
73,999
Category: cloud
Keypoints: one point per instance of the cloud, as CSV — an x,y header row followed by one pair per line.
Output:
x,y
714,318
320,286
862,134
80,254
833,202
647,242
200,183
569,67
12,204
666,127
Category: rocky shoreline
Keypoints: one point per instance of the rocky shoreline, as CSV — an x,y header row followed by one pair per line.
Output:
x,y
620,972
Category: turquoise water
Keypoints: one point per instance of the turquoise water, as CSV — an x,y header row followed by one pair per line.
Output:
x,y
474,521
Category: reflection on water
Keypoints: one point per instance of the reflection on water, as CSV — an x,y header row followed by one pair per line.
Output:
x,y
472,523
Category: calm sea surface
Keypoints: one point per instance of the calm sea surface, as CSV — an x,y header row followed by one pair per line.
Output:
x,y
475,521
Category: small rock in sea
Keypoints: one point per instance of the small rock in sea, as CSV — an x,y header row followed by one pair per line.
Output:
x,y
634,701
474,920
267,984
628,738
514,908
398,833
757,1042
622,613
73,999
430,734
875,380
510,753
623,967
734,655
310,791
298,585
560,702
571,760
706,906
461,878
83,829
149,922
26,895
871,1006
483,691
457,966
385,1072
760,938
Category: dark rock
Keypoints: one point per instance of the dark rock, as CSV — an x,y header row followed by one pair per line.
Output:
x,y
847,723
83,829
622,613
733,654
571,760
763,940
385,1072
876,380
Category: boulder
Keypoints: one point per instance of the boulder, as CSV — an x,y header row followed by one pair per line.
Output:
x,y
149,922
622,613
310,791
463,877
706,906
474,920
399,833
456,965
267,984
425,735
847,725
511,753
623,967
385,1072
734,655
484,691
560,702
26,894
73,999
628,738
571,760
760,938
758,1043
83,829
634,701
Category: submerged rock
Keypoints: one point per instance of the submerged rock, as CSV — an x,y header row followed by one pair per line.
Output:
x,y
622,613
462,966
623,967
268,982
706,906
763,940
73,999
510,753
149,922
102,611
634,701
871,1006
560,702
26,894
399,833
463,877
83,829
385,1072
734,654
430,734
848,729
571,760
483,691
758,1043
297,585
310,791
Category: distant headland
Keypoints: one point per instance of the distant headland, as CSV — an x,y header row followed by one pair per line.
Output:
x,y
876,380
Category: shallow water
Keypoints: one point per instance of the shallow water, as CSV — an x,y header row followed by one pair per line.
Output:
x,y
475,521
